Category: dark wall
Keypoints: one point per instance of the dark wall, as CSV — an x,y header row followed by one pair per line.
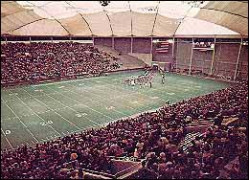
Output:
x,y
225,59
183,54
123,45
202,60
141,45
103,41
243,65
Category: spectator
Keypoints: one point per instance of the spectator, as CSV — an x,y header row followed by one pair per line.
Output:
x,y
159,142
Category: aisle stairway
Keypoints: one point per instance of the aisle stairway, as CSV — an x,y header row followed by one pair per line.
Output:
x,y
126,61
187,140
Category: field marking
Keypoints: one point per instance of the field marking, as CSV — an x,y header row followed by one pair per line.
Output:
x,y
138,111
113,100
38,115
54,110
28,115
104,86
162,89
3,132
133,92
5,136
90,79
26,127
95,95
77,112
113,120
69,106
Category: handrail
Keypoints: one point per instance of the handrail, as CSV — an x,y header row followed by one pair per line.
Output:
x,y
120,173
91,171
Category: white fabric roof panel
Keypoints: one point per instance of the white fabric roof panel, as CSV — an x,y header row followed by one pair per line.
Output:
x,y
236,7
17,20
142,24
76,26
121,23
123,18
10,7
194,27
173,9
230,14
164,26
99,24
43,27
232,22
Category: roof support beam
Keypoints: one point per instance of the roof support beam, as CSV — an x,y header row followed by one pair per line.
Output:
x,y
182,21
238,61
213,59
81,17
212,9
191,57
110,27
176,54
131,44
113,44
173,48
109,21
151,45
27,24
131,16
157,8
54,18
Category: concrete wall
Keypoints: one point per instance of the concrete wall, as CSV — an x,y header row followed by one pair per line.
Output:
x,y
103,41
122,45
183,54
225,56
243,66
147,58
141,45
225,59
202,60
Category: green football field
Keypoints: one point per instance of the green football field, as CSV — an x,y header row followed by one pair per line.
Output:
x,y
38,113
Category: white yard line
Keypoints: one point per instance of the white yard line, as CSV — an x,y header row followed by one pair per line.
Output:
x,y
127,94
32,114
5,136
69,106
38,115
138,112
95,95
27,129
54,110
159,89
3,132
133,92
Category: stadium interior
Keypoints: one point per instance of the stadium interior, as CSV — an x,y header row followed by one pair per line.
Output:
x,y
124,90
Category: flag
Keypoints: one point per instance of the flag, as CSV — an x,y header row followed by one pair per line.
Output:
x,y
162,47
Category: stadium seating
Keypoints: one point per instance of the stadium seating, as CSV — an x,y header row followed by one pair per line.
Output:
x,y
35,62
155,136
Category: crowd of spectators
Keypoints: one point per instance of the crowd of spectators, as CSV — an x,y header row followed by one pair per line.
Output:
x,y
153,136
32,62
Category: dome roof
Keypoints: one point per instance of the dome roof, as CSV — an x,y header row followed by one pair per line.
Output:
x,y
124,18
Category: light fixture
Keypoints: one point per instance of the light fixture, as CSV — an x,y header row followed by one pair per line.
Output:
x,y
104,3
